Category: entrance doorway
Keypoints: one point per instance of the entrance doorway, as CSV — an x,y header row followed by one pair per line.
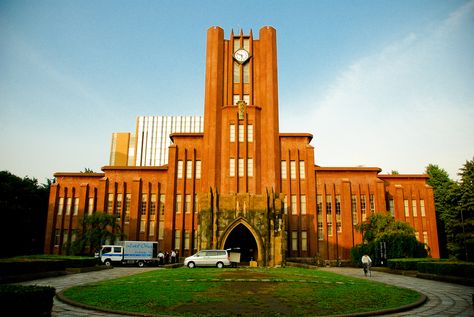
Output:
x,y
242,239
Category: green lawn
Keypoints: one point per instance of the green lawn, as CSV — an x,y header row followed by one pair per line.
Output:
x,y
230,292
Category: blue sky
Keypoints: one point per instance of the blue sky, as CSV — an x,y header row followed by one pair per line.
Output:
x,y
378,83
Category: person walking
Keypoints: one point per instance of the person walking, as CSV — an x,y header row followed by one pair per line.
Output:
x,y
366,263
173,256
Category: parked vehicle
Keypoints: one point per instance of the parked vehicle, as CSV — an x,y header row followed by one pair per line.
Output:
x,y
130,252
218,258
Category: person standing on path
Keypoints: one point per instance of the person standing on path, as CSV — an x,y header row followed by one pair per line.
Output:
x,y
366,263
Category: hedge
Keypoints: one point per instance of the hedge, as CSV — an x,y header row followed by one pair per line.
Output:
x,y
460,269
36,264
27,300
407,263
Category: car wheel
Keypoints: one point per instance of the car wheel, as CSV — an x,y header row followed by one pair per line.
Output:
x,y
108,263
220,265
191,265
141,264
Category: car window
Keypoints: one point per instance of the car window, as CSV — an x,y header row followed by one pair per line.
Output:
x,y
117,249
106,249
211,253
200,253
222,253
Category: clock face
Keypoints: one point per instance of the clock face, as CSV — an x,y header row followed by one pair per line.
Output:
x,y
241,55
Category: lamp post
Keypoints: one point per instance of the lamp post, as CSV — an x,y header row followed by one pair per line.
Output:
x,y
463,232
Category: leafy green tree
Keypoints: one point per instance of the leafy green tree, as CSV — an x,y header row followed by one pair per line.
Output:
x,y
445,199
23,210
454,202
382,229
463,244
98,228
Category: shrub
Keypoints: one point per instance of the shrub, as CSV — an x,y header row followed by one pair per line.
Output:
x,y
27,300
407,264
461,269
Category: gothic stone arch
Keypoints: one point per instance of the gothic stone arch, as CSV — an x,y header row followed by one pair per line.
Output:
x,y
262,215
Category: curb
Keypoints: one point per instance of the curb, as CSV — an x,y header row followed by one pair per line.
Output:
x,y
423,298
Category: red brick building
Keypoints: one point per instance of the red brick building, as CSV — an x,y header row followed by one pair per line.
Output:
x,y
241,183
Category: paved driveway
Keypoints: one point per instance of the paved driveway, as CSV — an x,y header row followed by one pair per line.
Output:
x,y
444,299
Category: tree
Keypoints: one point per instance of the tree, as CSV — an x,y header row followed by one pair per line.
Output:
x,y
98,228
444,190
87,170
382,229
454,202
23,210
464,230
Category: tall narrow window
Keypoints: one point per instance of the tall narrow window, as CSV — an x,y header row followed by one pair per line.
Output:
x,y
319,204
180,169
405,208
118,205
302,171
250,167
355,219
338,214
151,226
142,225
250,133
391,206
187,238
187,205
414,210
320,230
294,241
60,206
236,73
372,203
90,206
143,207
425,237
189,169
68,206
198,169
57,237
292,169
75,210
283,169
110,203
128,198
241,167
162,206
232,132
303,204
241,133
152,205
246,71
178,203
293,205
363,207
177,239
285,205
330,229
232,167
161,230
247,99
304,241
422,207
329,205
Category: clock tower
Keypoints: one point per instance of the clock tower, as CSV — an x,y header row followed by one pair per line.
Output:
x,y
241,134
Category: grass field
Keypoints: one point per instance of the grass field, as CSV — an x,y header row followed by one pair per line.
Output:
x,y
241,292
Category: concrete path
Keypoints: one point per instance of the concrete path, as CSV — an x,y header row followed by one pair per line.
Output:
x,y
66,281
444,299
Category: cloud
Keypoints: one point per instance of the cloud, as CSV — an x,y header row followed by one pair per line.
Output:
x,y
406,106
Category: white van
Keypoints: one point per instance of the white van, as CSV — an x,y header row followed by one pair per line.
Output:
x,y
218,258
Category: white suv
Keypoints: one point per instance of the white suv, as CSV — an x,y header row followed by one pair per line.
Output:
x,y
218,258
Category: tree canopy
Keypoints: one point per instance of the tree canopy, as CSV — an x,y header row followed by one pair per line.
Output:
x,y
23,210
454,202
98,229
396,236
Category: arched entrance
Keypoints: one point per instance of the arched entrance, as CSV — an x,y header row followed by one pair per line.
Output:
x,y
241,238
